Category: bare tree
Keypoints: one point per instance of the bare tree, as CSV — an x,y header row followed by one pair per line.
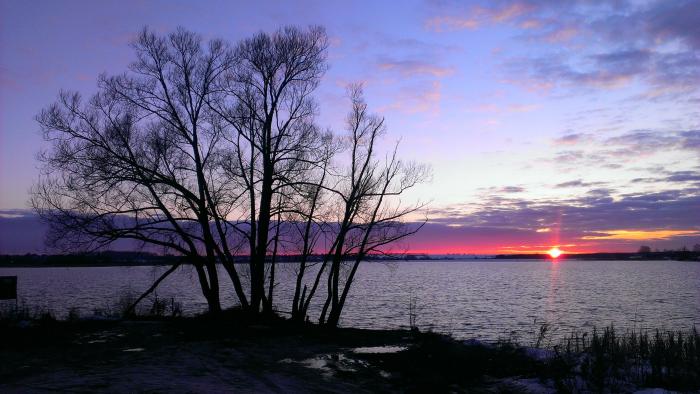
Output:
x,y
209,152
141,159
176,151
310,225
370,215
267,100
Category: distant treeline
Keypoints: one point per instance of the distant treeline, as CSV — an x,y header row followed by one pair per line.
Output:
x,y
117,258
680,255
99,259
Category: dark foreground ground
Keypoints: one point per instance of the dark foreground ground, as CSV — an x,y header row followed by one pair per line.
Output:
x,y
210,355
207,355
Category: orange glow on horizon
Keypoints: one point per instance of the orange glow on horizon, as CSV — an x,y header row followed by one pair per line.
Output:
x,y
640,235
494,250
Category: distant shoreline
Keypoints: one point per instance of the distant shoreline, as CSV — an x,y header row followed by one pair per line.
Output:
x,y
136,259
665,255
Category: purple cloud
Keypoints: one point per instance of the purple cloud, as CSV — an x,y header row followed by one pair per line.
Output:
x,y
672,177
646,141
591,213
572,139
512,189
409,68
616,151
655,42
578,183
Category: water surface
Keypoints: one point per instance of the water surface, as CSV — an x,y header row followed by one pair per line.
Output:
x,y
487,299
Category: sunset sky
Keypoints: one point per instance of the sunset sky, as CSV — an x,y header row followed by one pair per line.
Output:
x,y
546,122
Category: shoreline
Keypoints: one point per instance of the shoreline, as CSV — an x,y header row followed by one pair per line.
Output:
x,y
147,260
211,355
233,353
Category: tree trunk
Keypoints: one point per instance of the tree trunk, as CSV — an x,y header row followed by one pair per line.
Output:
x,y
273,263
213,303
258,275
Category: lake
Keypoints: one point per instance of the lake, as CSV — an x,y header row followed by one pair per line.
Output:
x,y
486,299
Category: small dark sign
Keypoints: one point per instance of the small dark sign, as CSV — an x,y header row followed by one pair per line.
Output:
x,y
8,287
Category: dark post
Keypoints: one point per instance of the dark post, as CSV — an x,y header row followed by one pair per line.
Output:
x,y
8,287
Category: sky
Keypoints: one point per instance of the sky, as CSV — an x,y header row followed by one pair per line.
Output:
x,y
547,123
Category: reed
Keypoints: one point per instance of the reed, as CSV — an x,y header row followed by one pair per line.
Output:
x,y
11,314
610,359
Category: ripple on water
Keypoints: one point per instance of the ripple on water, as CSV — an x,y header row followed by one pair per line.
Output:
x,y
465,298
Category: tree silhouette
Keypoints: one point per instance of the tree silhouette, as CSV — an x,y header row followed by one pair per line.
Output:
x,y
211,151
266,99
644,249
141,159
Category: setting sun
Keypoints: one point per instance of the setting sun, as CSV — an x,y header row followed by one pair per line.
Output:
x,y
554,252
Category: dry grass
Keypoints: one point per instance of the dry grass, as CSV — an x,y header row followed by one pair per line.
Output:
x,y
614,360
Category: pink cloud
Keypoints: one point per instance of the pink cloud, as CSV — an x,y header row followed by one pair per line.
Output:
x,y
478,16
572,139
509,12
448,23
414,67
425,99
561,34
523,107
531,24
513,108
